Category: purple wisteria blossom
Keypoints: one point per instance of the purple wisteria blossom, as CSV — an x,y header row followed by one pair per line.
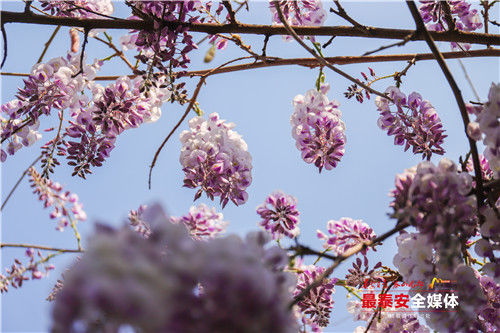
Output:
x,y
465,18
414,124
137,223
280,216
317,128
153,284
344,234
318,303
215,158
202,222
299,13
79,8
489,123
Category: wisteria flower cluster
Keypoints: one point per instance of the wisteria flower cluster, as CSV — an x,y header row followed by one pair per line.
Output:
x,y
137,223
418,260
438,202
465,18
414,124
202,222
18,272
215,158
299,13
67,208
79,8
344,234
317,128
146,283
119,106
489,123
317,304
50,85
280,216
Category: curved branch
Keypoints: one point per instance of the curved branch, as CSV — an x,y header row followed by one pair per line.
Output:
x,y
41,247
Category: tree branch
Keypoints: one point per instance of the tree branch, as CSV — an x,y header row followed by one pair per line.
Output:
x,y
41,247
458,97
256,29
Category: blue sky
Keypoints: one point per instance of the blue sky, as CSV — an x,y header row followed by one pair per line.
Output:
x,y
259,102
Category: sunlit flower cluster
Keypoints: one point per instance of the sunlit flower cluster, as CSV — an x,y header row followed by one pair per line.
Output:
x,y
280,216
344,234
415,122
489,123
50,86
215,158
317,128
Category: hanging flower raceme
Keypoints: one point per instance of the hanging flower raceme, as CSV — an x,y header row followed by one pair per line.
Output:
x,y
119,106
50,86
346,233
414,124
489,123
280,216
317,129
79,8
299,13
67,208
137,223
439,203
318,303
465,18
202,222
215,158
151,284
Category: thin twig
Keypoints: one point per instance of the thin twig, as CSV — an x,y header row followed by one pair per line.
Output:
x,y
4,36
319,57
352,251
190,106
447,15
469,80
343,14
301,250
41,247
18,182
47,44
385,47
230,11
82,55
458,97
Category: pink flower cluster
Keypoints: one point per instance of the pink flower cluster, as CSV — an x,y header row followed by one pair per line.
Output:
x,y
49,86
120,106
67,208
202,222
17,273
318,303
344,234
152,284
280,216
215,158
317,128
79,8
465,18
299,13
414,124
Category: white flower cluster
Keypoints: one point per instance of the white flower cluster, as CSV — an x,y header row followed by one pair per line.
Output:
x,y
215,158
